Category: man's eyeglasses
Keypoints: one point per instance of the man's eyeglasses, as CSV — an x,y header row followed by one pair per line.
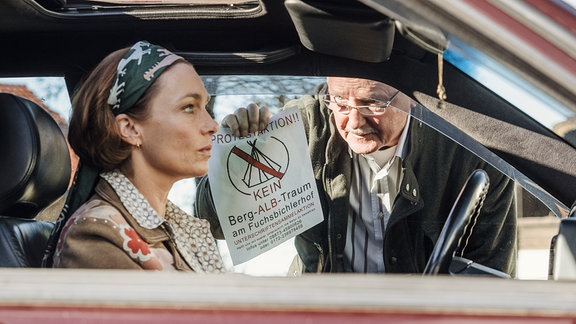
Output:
x,y
368,106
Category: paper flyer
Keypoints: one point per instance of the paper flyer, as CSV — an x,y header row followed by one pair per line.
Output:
x,y
263,186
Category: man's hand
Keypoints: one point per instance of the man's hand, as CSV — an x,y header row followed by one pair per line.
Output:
x,y
247,120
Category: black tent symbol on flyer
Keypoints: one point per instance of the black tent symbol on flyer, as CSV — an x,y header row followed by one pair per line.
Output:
x,y
259,167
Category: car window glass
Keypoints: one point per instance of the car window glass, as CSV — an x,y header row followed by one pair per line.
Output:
x,y
538,218
538,213
537,223
549,112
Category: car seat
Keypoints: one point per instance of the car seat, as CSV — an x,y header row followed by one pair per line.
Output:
x,y
35,171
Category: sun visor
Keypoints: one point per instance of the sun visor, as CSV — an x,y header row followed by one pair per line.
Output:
x,y
343,28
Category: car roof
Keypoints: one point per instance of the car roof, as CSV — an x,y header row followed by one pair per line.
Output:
x,y
539,42
253,40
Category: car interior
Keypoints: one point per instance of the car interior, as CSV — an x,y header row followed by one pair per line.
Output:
x,y
36,170
388,41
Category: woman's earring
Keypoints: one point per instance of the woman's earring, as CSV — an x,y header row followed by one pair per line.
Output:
x,y
138,146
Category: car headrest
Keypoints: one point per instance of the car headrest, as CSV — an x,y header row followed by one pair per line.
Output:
x,y
35,166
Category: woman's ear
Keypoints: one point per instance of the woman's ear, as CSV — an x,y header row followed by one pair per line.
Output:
x,y
128,130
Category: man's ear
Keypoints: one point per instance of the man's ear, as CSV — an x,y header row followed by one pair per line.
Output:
x,y
128,129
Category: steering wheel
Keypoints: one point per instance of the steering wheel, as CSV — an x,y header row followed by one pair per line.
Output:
x,y
468,203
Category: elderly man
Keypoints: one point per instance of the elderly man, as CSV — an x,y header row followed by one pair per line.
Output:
x,y
387,184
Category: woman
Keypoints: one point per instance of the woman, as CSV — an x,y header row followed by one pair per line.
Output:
x,y
139,121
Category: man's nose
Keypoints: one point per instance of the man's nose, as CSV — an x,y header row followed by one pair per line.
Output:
x,y
355,118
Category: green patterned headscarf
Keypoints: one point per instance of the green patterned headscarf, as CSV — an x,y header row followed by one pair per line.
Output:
x,y
137,70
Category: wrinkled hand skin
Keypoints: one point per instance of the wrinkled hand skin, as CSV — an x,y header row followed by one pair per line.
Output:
x,y
247,120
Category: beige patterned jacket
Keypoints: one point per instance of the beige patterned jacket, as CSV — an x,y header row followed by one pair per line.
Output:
x,y
118,229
